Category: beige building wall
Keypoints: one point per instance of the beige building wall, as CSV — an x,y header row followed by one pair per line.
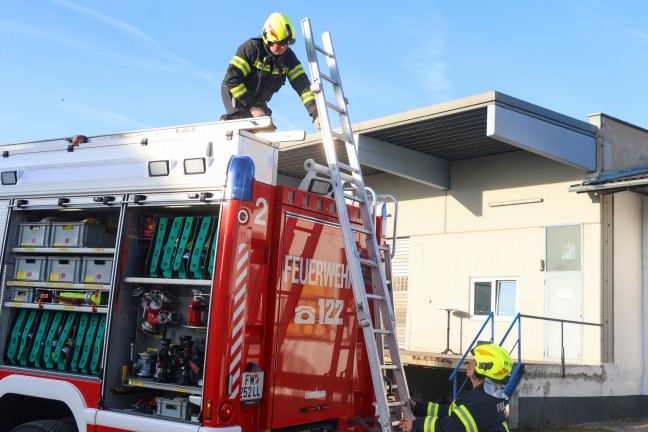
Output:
x,y
491,223
628,322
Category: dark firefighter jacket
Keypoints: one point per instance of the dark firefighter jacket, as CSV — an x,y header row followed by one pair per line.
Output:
x,y
255,74
476,411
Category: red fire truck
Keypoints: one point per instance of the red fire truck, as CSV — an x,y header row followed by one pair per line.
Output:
x,y
162,280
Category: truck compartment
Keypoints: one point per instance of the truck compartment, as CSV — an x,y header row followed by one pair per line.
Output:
x,y
155,357
55,323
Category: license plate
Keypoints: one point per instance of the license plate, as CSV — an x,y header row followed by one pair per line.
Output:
x,y
251,386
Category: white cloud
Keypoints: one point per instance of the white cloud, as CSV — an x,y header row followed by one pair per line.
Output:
x,y
425,53
283,122
640,35
104,116
39,33
174,62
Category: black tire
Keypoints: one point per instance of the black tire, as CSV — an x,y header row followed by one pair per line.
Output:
x,y
66,425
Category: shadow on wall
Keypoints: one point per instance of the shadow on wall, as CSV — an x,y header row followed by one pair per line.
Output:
x,y
470,179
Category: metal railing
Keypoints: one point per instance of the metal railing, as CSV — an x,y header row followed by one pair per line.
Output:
x,y
453,376
562,333
519,368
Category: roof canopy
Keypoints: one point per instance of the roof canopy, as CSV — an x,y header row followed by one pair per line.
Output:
x,y
421,144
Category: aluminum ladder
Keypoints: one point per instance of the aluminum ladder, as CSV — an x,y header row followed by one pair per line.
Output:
x,y
379,329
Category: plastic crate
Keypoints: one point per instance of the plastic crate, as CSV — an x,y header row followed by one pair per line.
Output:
x,y
96,270
22,294
34,234
81,234
30,268
43,296
63,269
175,408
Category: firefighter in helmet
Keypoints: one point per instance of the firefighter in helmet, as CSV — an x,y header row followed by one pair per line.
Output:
x,y
260,68
482,409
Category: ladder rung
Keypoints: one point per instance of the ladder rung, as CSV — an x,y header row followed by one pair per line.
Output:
x,y
360,230
389,367
382,331
375,296
335,107
341,137
323,51
368,262
354,198
329,79
397,403
347,167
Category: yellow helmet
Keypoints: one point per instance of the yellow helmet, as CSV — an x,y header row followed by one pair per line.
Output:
x,y
492,361
278,29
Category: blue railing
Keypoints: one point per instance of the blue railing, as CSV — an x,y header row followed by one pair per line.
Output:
x,y
453,376
518,370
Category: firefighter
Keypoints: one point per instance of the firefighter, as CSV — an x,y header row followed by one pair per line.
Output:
x,y
482,409
259,69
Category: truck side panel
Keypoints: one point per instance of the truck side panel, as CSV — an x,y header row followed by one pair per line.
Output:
x,y
318,371
238,308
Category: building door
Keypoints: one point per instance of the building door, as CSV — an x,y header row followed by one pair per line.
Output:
x,y
400,270
564,292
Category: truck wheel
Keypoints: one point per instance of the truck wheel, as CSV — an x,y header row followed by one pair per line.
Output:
x,y
47,426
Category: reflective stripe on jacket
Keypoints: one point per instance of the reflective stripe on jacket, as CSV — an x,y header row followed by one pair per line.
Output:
x,y
254,75
476,411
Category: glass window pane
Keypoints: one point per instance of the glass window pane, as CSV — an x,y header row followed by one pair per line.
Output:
x,y
506,291
564,248
482,303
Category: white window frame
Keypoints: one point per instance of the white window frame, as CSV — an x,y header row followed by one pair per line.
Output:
x,y
494,298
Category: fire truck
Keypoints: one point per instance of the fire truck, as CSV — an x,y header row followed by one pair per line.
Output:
x,y
139,295
164,279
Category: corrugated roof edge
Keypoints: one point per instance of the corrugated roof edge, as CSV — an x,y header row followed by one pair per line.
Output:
x,y
455,106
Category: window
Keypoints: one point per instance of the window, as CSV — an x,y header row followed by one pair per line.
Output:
x,y
498,295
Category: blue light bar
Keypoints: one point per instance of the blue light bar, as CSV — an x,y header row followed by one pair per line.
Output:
x,y
240,178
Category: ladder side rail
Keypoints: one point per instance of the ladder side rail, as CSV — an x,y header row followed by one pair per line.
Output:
x,y
352,153
394,351
352,253
339,93
359,292
340,202
345,122
320,101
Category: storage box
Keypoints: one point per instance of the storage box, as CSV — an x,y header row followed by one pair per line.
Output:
x,y
34,234
30,268
44,296
81,234
63,269
176,408
96,270
22,294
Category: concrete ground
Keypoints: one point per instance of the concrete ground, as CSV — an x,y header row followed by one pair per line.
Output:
x,y
622,425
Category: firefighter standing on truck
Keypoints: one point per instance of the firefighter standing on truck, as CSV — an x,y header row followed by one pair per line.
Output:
x,y
482,409
260,68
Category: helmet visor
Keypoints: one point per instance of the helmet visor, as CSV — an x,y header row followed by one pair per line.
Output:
x,y
289,39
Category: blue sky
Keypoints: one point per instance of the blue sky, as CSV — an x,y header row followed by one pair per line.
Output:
x,y
73,67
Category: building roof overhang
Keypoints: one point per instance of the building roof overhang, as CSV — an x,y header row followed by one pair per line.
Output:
x,y
635,180
421,144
